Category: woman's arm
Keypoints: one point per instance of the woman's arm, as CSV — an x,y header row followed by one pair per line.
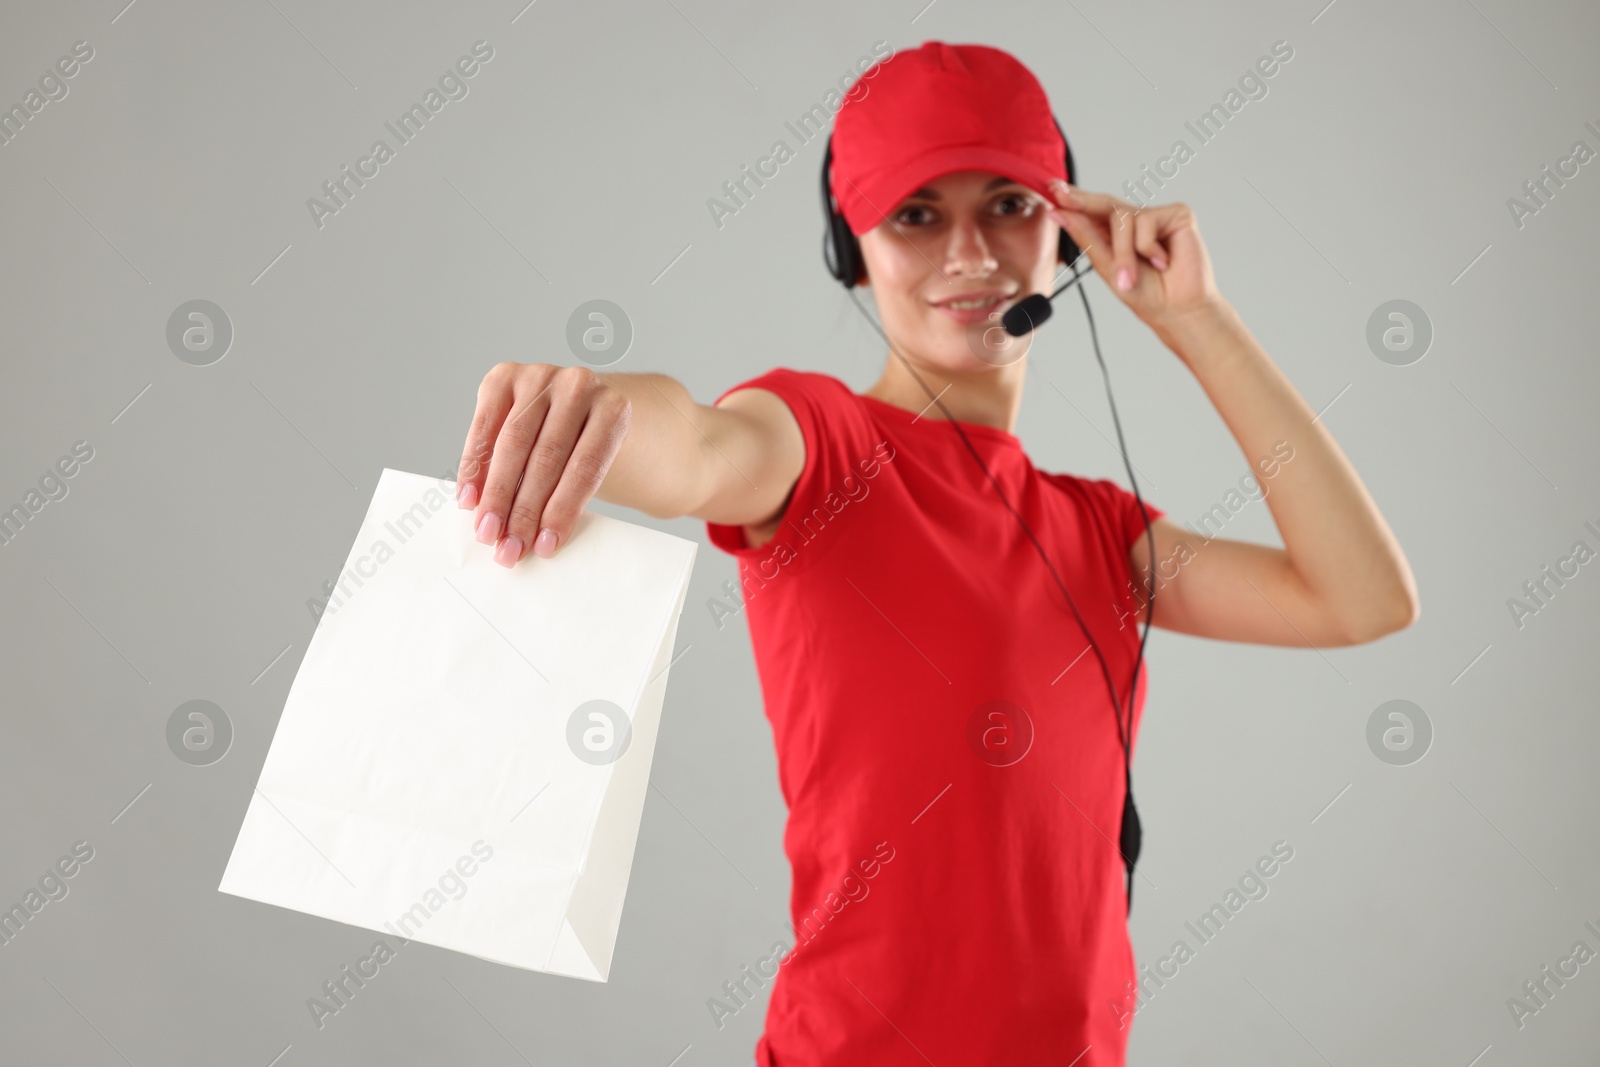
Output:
x,y
748,451
545,439
1341,577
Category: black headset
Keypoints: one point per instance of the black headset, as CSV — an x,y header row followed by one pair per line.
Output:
x,y
841,254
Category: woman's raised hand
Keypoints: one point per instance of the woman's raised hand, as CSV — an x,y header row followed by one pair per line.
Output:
x,y
541,441
1152,257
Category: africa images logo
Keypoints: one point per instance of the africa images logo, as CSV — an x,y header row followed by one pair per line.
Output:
x,y
741,991
452,86
795,532
813,123
340,990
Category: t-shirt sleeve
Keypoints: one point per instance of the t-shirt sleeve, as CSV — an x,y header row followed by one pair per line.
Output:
x,y
1123,508
838,439
1111,522
1114,511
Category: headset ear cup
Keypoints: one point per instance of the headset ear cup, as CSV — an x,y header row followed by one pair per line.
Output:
x,y
841,255
1069,249
846,262
842,239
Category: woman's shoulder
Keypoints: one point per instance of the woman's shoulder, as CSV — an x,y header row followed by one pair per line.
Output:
x,y
818,383
1071,483
1106,500
818,399
1096,491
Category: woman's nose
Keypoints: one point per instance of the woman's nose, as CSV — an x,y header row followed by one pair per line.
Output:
x,y
968,254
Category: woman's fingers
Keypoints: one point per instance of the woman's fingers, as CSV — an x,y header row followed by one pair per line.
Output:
x,y
569,395
1101,204
1127,260
494,404
1129,231
1118,236
509,458
1091,220
1090,235
541,442
1148,227
598,444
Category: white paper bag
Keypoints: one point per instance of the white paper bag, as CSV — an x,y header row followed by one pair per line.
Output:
x,y
440,772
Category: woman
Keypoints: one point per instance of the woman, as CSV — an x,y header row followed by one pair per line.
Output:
x,y
951,759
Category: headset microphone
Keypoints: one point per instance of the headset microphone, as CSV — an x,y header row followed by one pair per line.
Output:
x,y
1032,312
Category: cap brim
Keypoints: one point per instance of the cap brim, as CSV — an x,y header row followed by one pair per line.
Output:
x,y
885,195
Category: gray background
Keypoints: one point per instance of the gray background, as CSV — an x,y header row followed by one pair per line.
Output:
x,y
1378,167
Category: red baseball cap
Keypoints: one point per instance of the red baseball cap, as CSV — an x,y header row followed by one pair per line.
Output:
x,y
935,110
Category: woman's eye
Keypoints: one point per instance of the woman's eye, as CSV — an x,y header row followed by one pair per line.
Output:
x,y
915,215
1011,204
1015,204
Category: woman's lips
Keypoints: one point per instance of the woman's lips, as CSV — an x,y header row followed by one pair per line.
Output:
x,y
987,308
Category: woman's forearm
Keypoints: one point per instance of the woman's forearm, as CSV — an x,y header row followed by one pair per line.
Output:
x,y
1332,531
660,468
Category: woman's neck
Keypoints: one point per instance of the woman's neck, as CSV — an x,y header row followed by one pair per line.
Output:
x,y
990,397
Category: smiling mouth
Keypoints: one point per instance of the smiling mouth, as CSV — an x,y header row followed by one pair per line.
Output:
x,y
977,308
973,305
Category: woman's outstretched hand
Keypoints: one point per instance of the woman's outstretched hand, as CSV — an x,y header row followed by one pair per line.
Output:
x,y
1152,257
541,441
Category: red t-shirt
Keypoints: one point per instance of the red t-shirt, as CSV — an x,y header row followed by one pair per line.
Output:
x,y
945,744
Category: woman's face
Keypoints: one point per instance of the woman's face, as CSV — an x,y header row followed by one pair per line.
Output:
x,y
972,236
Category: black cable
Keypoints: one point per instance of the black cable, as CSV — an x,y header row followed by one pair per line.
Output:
x,y
1130,831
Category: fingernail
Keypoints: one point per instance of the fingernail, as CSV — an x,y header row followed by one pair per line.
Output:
x,y
488,528
467,496
509,552
1160,262
544,546
1124,279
